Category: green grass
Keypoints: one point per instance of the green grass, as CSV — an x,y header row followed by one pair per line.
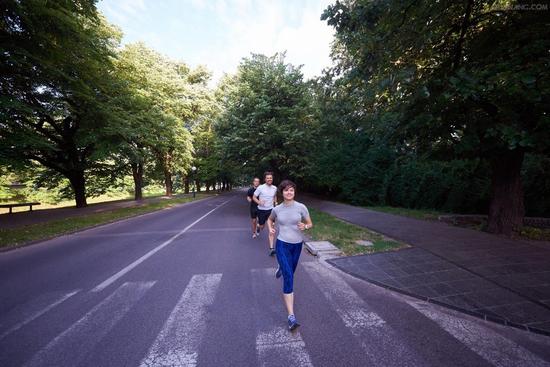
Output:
x,y
343,235
428,214
40,231
71,203
537,234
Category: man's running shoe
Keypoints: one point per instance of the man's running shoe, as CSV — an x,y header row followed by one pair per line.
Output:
x,y
272,252
292,323
278,273
254,235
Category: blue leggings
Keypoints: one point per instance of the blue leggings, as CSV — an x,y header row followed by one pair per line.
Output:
x,y
288,255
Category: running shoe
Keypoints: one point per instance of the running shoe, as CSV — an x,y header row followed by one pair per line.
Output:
x,y
254,235
278,273
272,252
292,323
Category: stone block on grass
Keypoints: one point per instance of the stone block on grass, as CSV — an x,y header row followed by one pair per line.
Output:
x,y
318,248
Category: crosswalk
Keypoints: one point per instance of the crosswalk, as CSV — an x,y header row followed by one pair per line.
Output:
x,y
180,341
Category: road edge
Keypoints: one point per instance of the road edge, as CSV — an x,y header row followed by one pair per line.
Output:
x,y
34,242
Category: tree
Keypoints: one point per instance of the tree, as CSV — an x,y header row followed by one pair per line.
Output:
x,y
162,101
55,65
266,117
464,79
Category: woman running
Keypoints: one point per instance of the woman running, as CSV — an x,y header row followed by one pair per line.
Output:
x,y
292,218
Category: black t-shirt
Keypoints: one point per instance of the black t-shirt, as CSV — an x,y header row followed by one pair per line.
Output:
x,y
250,194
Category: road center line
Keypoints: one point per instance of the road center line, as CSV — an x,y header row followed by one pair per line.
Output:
x,y
116,276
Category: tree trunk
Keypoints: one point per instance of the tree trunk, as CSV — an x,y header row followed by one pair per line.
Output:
x,y
197,186
207,187
78,184
168,182
137,173
506,210
186,185
223,185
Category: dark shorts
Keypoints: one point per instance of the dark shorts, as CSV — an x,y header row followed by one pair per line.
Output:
x,y
263,215
253,211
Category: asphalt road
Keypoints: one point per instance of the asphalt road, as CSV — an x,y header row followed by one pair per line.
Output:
x,y
189,286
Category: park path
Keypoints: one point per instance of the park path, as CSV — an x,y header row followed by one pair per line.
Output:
x,y
188,286
491,276
24,218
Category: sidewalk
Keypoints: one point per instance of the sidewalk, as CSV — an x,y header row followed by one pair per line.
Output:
x,y
496,278
20,219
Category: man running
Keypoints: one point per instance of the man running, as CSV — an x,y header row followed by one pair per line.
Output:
x,y
266,197
253,207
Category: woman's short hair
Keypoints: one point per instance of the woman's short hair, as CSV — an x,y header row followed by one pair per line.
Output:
x,y
286,184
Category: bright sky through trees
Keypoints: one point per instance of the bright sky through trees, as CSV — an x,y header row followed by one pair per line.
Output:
x,y
218,33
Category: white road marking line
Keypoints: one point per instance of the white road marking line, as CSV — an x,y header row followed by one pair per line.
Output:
x,y
178,342
379,340
145,233
123,234
25,312
350,307
490,345
275,345
75,343
125,270
232,229
280,343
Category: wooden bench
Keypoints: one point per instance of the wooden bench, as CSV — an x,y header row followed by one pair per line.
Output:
x,y
18,204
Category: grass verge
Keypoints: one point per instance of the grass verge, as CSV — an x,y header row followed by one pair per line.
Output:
x,y
344,235
17,236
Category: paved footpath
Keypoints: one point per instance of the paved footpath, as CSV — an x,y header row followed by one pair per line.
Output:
x,y
497,278
188,286
23,218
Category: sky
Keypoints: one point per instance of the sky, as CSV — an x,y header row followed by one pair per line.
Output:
x,y
219,33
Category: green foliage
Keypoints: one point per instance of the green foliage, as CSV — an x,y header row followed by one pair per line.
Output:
x,y
163,99
427,98
55,65
266,117
536,181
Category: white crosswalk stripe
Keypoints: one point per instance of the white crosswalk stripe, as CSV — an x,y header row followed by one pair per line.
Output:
x,y
379,341
27,312
275,345
491,346
178,342
181,337
75,343
279,343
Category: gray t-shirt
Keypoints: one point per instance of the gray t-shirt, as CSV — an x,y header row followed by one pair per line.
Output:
x,y
287,218
266,193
